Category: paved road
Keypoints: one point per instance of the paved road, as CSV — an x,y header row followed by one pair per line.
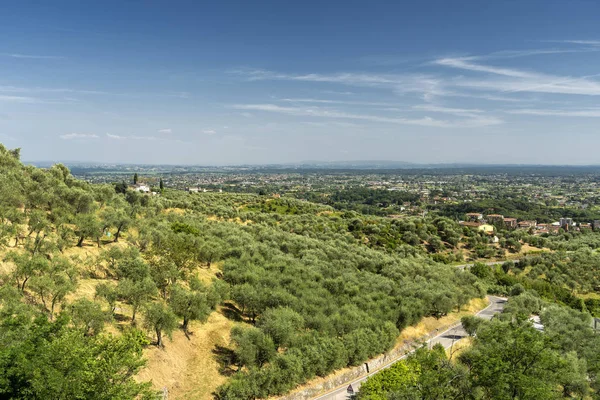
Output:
x,y
447,339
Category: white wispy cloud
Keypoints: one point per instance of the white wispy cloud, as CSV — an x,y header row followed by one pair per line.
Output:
x,y
461,112
342,124
131,137
585,113
326,113
19,99
529,53
209,131
70,136
464,63
165,131
180,95
147,138
489,97
161,139
540,84
425,85
68,90
520,80
21,89
484,81
347,102
314,101
354,79
117,137
139,137
32,56
346,93
584,42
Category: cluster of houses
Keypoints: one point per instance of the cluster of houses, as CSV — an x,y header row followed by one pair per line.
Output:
x,y
477,221
200,190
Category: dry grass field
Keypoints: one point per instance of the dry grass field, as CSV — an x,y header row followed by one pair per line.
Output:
x,y
431,324
188,368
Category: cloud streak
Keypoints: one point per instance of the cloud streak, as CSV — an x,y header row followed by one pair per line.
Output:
x,y
112,136
19,99
460,112
585,113
116,137
346,102
19,89
484,81
426,85
32,56
584,42
72,136
326,113
520,81
464,63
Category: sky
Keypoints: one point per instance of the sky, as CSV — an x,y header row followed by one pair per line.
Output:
x,y
262,82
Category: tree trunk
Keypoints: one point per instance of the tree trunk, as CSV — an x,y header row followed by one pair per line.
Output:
x,y
159,341
38,241
186,322
23,285
80,242
133,316
118,233
43,301
52,308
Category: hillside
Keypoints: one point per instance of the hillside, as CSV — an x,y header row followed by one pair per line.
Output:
x,y
110,293
301,294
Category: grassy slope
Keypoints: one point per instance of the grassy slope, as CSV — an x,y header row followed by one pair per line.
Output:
x,y
188,368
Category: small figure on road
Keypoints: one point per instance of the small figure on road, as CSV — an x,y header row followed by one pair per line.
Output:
x,y
350,389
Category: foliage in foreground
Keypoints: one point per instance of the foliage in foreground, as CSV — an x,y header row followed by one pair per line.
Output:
x,y
42,359
508,359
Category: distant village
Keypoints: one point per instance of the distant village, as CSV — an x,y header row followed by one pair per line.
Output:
x,y
490,222
202,190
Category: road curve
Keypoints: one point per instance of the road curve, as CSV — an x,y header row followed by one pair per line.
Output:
x,y
447,339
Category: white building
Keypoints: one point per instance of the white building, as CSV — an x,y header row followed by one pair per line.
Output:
x,y
142,188
566,222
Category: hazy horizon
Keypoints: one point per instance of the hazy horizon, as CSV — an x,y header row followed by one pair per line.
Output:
x,y
399,164
239,83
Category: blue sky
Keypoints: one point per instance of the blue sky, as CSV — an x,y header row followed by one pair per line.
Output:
x,y
235,82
